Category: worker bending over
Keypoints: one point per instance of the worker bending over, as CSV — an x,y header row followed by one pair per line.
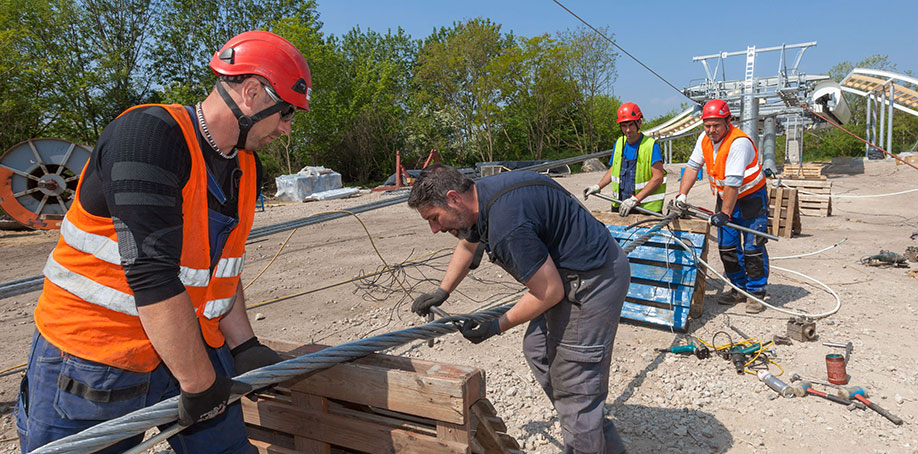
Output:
x,y
142,298
577,277
636,166
732,164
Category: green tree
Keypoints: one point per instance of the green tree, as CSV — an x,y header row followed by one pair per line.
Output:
x,y
368,94
457,74
82,63
28,73
538,91
592,68
190,31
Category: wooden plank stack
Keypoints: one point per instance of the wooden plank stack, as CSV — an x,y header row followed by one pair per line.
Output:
x,y
912,159
812,187
666,287
807,170
377,404
783,212
812,195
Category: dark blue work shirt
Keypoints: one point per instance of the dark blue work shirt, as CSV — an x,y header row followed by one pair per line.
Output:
x,y
529,223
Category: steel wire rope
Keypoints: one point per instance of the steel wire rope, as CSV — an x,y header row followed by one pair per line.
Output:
x,y
807,254
743,291
830,196
425,257
165,434
623,50
109,432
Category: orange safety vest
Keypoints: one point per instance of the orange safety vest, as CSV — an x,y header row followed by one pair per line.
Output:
x,y
87,308
753,178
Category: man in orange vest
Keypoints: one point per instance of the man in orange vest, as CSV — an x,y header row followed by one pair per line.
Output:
x,y
731,161
142,298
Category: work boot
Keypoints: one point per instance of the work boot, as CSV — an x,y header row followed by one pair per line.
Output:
x,y
753,306
732,297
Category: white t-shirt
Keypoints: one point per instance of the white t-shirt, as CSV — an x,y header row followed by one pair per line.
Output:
x,y
741,155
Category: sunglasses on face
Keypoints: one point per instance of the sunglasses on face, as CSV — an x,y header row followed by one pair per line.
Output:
x,y
287,111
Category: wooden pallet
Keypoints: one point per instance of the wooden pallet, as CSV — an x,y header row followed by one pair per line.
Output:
x,y
808,171
377,404
911,159
783,212
811,195
666,287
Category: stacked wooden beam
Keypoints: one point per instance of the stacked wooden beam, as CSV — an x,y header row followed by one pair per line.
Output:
x,y
783,212
807,170
666,287
813,195
377,404
911,159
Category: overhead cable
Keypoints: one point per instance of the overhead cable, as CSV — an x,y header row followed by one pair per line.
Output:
x,y
623,50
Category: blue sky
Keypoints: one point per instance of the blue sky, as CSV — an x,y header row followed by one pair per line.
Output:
x,y
665,35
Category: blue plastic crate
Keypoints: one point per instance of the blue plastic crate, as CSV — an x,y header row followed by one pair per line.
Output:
x,y
663,277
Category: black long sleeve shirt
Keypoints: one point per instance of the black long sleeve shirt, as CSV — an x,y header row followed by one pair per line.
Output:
x,y
135,177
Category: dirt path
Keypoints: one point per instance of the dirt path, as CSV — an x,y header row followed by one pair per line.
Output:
x,y
659,403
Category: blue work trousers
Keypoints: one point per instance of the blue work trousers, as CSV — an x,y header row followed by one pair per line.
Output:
x,y
743,254
61,395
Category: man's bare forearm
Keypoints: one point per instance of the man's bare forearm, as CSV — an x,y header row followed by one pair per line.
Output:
x,y
458,266
235,325
173,329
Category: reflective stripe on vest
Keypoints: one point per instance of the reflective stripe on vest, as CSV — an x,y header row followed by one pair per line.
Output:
x,y
87,308
88,289
105,249
715,165
643,173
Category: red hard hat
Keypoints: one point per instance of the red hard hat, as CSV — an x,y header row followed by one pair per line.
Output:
x,y
716,108
269,56
629,111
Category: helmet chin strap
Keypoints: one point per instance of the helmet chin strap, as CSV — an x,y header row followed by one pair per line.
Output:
x,y
245,121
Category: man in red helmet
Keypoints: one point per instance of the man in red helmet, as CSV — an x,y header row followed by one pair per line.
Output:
x,y
636,166
731,160
142,298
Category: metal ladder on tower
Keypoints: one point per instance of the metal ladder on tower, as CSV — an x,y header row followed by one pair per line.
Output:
x,y
793,128
749,85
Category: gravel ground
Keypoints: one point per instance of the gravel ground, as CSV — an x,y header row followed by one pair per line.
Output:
x,y
659,402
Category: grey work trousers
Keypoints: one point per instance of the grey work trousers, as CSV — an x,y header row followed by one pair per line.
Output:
x,y
569,349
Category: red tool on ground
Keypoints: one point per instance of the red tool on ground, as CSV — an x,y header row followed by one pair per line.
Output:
x,y
804,387
856,392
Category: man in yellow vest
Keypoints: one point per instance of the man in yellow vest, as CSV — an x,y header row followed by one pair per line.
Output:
x,y
142,298
636,166
738,181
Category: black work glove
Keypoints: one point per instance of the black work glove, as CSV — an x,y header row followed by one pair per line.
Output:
x,y
423,303
478,332
197,407
251,355
719,219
